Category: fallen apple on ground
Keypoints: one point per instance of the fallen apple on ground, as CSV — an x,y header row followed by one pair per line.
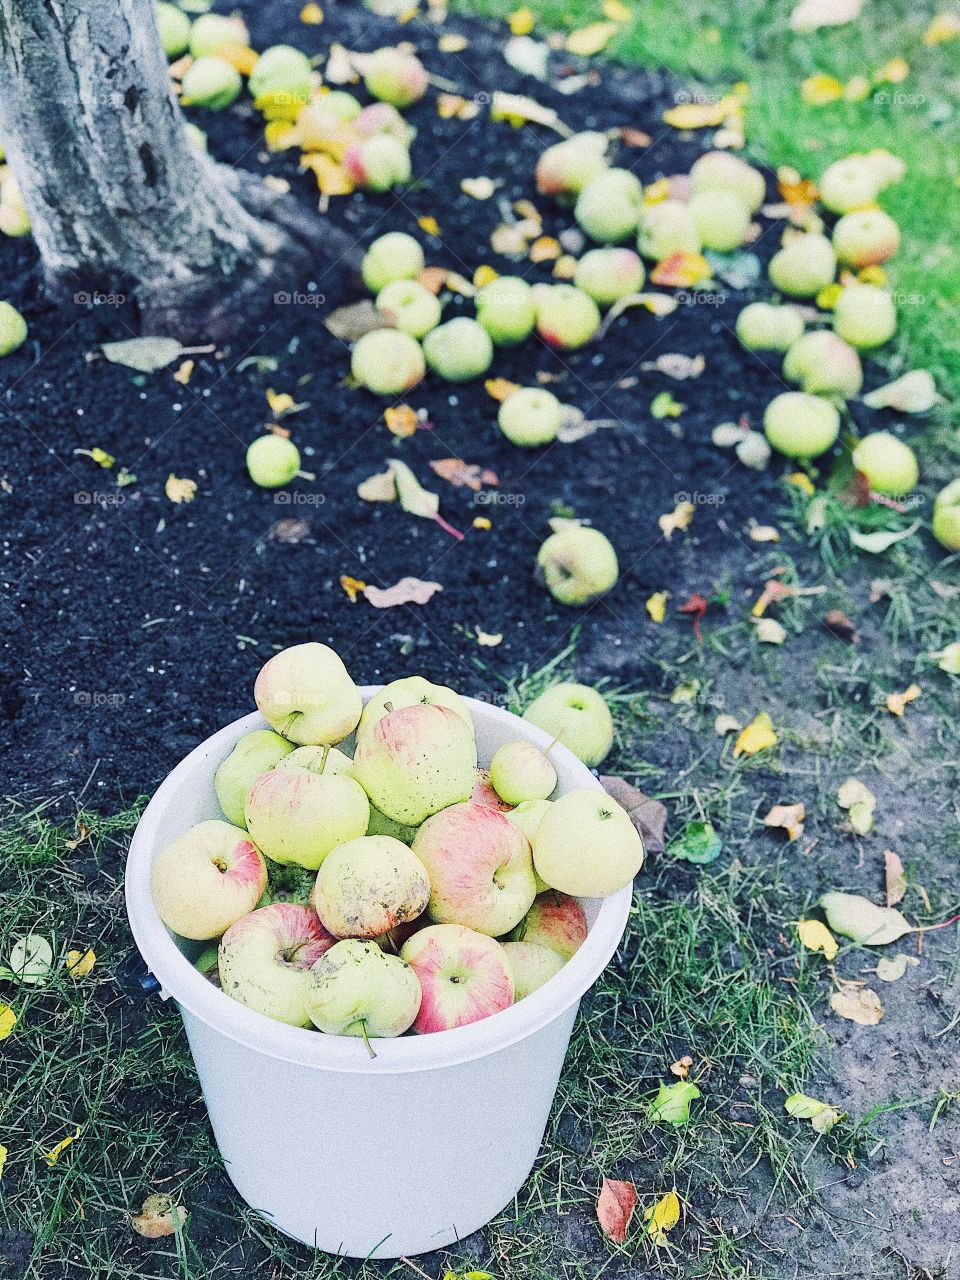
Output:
x,y
409,307
395,77
577,716
505,308
173,27
723,171
13,329
823,364
273,461
567,318
609,205
213,31
281,81
531,416
889,465
394,256
210,82
865,238
865,316
387,362
767,326
564,169
607,275
459,350
721,218
805,265
801,426
667,228
578,564
946,516
378,163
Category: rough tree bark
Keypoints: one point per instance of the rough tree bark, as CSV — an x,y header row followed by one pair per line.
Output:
x,y
119,198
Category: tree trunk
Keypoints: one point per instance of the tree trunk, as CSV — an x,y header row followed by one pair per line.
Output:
x,y
119,198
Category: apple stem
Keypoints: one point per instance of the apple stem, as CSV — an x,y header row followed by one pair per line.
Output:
x,y
366,1038
306,475
547,750
323,757
388,706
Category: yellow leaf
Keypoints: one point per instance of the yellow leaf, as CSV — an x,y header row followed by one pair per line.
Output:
x,y
53,1156
452,43
102,458
452,106
80,963
617,11
873,275
662,1216
311,15
857,1004
500,388
788,817
481,522
281,403
184,373
332,178
591,39
818,90
521,21
352,586
815,936
478,188
488,640
429,224
402,420
697,115
8,1020
944,27
565,267
658,304
280,134
681,270
897,702
180,489
828,295
484,274
893,72
678,518
3,1158
240,56
657,605
757,736
657,191
800,480
545,249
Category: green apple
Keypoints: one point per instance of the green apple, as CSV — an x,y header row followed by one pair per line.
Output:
x,y
173,26
264,960
14,219
459,350
577,716
368,886
556,921
341,104
210,82
721,218
306,694
317,760
587,846
723,171
800,425
380,117
253,755
889,465
667,228
395,77
564,169
805,265
767,326
206,879
505,308
824,364
213,31
13,329
578,564
394,256
526,816
416,761
412,308
520,771
196,135
609,205
387,362
281,81
946,516
358,990
412,691
530,416
607,275
296,815
378,163
273,461
531,966
849,184
567,318
865,238
865,316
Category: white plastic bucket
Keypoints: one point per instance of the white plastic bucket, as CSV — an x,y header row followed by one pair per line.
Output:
x,y
368,1157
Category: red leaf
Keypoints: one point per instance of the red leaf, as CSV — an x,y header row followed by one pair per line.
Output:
x,y
615,1205
697,606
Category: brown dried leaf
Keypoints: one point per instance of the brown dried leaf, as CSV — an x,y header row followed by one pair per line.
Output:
x,y
857,1004
895,876
678,366
464,475
401,420
378,488
897,702
289,531
647,815
351,322
839,625
159,1215
615,1205
788,817
406,591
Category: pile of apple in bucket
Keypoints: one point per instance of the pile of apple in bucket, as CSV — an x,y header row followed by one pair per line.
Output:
x,y
403,889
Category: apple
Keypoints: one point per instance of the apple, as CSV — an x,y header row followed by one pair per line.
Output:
x,y
395,77
459,350
530,416
210,82
296,815
212,31
946,516
305,693
555,921
527,814
484,793
849,184
801,425
865,316
415,761
479,866
341,104
824,364
722,171
273,461
281,81
577,716
356,989
865,238
317,760
667,228
253,755
586,845
609,205
411,308
506,309
264,960
889,465
378,163
567,318
395,256
578,565
14,219
381,118
565,168
607,275
387,362
464,976
173,26
531,966
767,326
805,265
721,218
520,771
319,129
196,135
368,886
887,168
412,691
13,329
206,879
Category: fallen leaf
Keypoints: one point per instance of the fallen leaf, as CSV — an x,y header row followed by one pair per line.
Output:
x,y
679,518
591,39
159,1216
3,1158
757,736
8,1020
479,188
665,406
914,392
672,1103
893,72
725,724
697,115
452,106
615,1205
452,42
406,591
401,420
811,15
788,817
949,659
53,1156
311,15
429,225
944,27
856,917
649,816
465,475
857,1004
877,543
416,500
681,271
773,592
529,57
676,365
893,968
698,844
518,110
282,403
486,639
821,1115
800,480
682,1066
351,322
545,249
657,605
146,355
500,388
289,531
31,959
815,936
662,1216
378,488
895,877
697,607
839,625
521,21
80,963
897,702
354,587
769,631
817,90
764,533
184,373
180,489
